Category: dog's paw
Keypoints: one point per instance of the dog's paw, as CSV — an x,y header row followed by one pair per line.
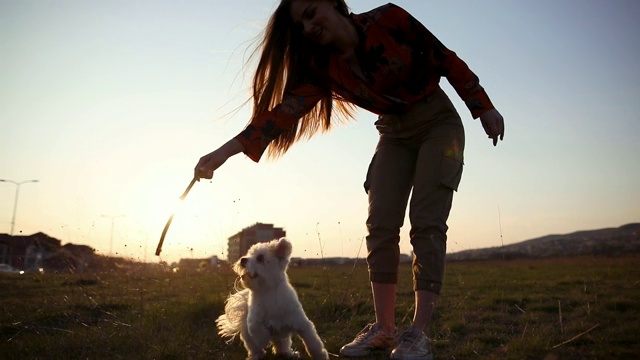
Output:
x,y
323,355
289,354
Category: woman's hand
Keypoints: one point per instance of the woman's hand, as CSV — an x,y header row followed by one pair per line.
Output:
x,y
213,160
493,125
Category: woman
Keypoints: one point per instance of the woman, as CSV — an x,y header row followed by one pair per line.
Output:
x,y
316,55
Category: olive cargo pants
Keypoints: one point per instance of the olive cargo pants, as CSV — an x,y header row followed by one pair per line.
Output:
x,y
419,156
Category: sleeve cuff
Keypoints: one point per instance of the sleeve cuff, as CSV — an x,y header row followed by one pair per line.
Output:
x,y
251,148
479,103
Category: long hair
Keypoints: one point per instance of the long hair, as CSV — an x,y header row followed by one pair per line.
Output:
x,y
284,59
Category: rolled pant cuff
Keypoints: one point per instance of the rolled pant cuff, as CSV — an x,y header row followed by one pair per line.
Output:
x,y
427,285
383,278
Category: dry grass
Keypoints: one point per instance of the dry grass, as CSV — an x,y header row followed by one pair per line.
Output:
x,y
534,309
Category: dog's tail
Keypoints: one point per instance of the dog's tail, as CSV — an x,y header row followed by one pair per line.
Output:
x,y
235,314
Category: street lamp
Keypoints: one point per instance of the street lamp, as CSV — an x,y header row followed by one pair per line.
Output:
x,y
15,204
113,218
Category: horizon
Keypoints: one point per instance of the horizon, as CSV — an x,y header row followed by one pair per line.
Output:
x,y
176,261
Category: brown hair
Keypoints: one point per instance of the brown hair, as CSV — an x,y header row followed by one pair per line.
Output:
x,y
283,65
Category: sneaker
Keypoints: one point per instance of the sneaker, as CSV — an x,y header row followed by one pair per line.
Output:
x,y
412,346
369,340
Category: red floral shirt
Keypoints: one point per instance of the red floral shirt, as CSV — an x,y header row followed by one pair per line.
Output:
x,y
402,63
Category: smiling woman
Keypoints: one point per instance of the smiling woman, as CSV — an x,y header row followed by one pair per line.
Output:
x,y
324,22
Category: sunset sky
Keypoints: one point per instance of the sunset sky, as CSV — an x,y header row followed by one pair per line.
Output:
x,y
110,104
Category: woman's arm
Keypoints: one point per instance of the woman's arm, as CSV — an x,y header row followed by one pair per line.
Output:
x,y
212,161
410,31
264,128
269,125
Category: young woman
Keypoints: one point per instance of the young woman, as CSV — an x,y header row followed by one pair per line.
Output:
x,y
317,58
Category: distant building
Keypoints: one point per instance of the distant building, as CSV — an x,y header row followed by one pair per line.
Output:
x,y
27,252
240,243
41,251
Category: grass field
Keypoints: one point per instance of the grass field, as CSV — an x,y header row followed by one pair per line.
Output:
x,y
534,309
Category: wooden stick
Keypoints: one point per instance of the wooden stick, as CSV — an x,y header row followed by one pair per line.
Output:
x,y
166,227
560,315
577,336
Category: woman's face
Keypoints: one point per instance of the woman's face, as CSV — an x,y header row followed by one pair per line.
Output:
x,y
318,19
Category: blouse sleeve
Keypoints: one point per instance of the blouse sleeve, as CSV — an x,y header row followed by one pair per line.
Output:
x,y
435,55
267,126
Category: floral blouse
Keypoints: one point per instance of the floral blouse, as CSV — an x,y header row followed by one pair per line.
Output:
x,y
401,63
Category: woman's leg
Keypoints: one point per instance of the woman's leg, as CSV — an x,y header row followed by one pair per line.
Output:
x,y
425,304
438,173
384,303
388,184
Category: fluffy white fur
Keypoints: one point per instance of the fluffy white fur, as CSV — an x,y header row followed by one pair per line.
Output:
x,y
268,310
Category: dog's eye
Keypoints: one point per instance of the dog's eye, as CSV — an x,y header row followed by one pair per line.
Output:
x,y
260,258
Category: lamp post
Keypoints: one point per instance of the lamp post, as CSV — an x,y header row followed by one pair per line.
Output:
x,y
15,204
113,218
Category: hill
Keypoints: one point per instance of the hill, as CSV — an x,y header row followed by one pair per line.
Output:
x,y
622,240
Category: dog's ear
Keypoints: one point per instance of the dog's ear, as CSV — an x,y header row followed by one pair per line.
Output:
x,y
283,249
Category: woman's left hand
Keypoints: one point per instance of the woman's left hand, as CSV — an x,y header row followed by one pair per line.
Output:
x,y
493,125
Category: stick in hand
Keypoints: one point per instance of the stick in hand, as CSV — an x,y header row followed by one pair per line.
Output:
x,y
166,227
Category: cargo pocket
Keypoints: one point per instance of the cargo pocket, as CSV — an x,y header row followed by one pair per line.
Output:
x,y
367,180
451,172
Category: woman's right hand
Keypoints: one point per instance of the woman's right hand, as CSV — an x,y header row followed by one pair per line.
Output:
x,y
213,160
208,164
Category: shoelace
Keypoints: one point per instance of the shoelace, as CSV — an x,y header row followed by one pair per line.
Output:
x,y
408,339
408,336
365,333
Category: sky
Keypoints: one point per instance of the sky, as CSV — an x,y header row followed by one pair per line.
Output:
x,y
110,104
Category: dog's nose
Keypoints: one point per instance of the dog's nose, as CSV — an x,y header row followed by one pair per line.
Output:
x,y
243,261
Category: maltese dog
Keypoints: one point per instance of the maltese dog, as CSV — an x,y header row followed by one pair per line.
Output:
x,y
268,309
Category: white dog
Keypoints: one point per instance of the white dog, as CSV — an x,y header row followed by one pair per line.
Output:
x,y
268,309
